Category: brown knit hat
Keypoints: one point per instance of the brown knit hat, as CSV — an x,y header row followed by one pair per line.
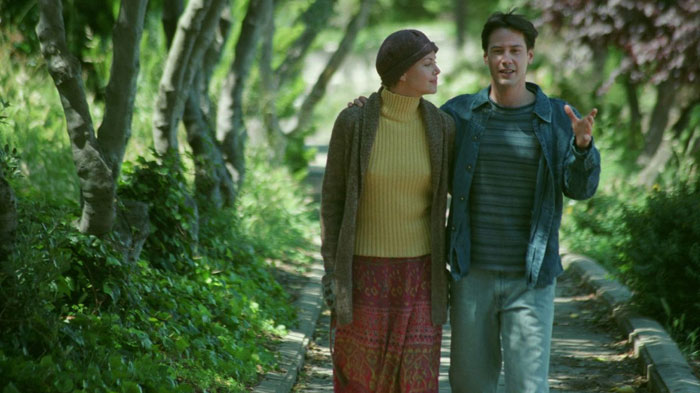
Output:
x,y
399,51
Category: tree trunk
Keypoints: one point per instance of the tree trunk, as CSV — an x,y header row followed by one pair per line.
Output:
x,y
94,172
657,163
664,152
319,89
665,94
195,32
115,130
274,135
98,159
684,119
460,15
230,126
315,18
213,185
8,217
635,136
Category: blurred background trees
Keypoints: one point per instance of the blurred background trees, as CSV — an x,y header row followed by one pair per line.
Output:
x,y
208,111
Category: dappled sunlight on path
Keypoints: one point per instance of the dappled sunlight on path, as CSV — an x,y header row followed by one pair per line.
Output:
x,y
588,353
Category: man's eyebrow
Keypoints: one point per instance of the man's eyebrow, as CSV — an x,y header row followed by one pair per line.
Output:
x,y
503,46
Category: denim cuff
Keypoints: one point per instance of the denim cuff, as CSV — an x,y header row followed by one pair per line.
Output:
x,y
583,156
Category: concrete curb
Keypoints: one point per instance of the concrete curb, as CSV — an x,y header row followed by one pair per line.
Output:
x,y
293,346
665,366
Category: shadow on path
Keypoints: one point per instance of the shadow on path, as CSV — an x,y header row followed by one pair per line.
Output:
x,y
588,354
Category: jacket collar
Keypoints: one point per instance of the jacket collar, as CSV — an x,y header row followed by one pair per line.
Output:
x,y
543,109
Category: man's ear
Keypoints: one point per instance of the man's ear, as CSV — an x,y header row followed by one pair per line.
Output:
x,y
530,56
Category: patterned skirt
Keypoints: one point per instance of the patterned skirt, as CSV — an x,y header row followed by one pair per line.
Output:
x,y
391,346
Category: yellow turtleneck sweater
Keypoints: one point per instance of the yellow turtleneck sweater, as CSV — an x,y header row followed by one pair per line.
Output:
x,y
393,218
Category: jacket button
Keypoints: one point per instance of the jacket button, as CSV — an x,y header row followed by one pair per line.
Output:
x,y
452,228
476,137
461,198
469,167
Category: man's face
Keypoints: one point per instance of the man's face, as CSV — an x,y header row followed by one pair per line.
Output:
x,y
507,57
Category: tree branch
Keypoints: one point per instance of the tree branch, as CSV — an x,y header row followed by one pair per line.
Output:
x,y
115,130
195,32
315,18
334,62
230,129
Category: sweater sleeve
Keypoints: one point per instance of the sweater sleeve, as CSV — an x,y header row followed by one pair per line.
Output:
x,y
333,190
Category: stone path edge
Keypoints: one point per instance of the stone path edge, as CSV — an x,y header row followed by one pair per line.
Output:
x,y
663,363
292,348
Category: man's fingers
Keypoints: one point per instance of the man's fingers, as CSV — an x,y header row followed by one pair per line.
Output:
x,y
593,113
570,113
359,102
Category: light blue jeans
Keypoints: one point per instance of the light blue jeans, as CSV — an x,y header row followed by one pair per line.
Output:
x,y
496,319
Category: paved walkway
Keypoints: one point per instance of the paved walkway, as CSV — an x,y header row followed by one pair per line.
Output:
x,y
588,355
589,351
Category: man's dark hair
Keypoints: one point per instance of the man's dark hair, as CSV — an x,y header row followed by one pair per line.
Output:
x,y
509,20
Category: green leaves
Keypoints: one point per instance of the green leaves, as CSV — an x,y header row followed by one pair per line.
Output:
x,y
104,325
651,242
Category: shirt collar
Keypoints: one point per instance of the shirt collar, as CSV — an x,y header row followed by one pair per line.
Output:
x,y
542,108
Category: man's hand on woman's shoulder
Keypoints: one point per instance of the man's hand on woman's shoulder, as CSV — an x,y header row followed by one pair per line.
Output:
x,y
359,102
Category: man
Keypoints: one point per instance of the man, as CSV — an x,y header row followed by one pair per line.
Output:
x,y
517,152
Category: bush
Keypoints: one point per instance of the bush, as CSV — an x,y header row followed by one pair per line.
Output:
x,y
75,317
650,242
660,257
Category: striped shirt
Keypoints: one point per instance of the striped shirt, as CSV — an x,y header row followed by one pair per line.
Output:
x,y
503,189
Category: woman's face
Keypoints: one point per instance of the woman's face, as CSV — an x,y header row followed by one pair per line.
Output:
x,y
420,79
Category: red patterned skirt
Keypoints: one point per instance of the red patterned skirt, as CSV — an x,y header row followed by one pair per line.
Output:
x,y
391,346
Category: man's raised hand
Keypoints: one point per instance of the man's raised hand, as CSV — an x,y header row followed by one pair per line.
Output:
x,y
583,127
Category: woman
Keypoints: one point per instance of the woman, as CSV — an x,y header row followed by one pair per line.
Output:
x,y
383,218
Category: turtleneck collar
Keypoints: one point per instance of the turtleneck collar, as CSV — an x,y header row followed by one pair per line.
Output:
x,y
398,107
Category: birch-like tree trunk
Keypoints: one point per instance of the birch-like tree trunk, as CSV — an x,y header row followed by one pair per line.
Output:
x,y
270,82
213,185
97,160
195,32
115,130
315,19
230,125
318,90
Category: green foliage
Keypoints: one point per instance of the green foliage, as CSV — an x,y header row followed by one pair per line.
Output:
x,y
172,212
661,255
35,126
9,158
651,242
9,162
275,210
77,318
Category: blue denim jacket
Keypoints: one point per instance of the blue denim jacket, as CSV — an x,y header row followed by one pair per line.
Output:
x,y
563,169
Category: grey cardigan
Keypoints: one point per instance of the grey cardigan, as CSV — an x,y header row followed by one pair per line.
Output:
x,y
348,157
